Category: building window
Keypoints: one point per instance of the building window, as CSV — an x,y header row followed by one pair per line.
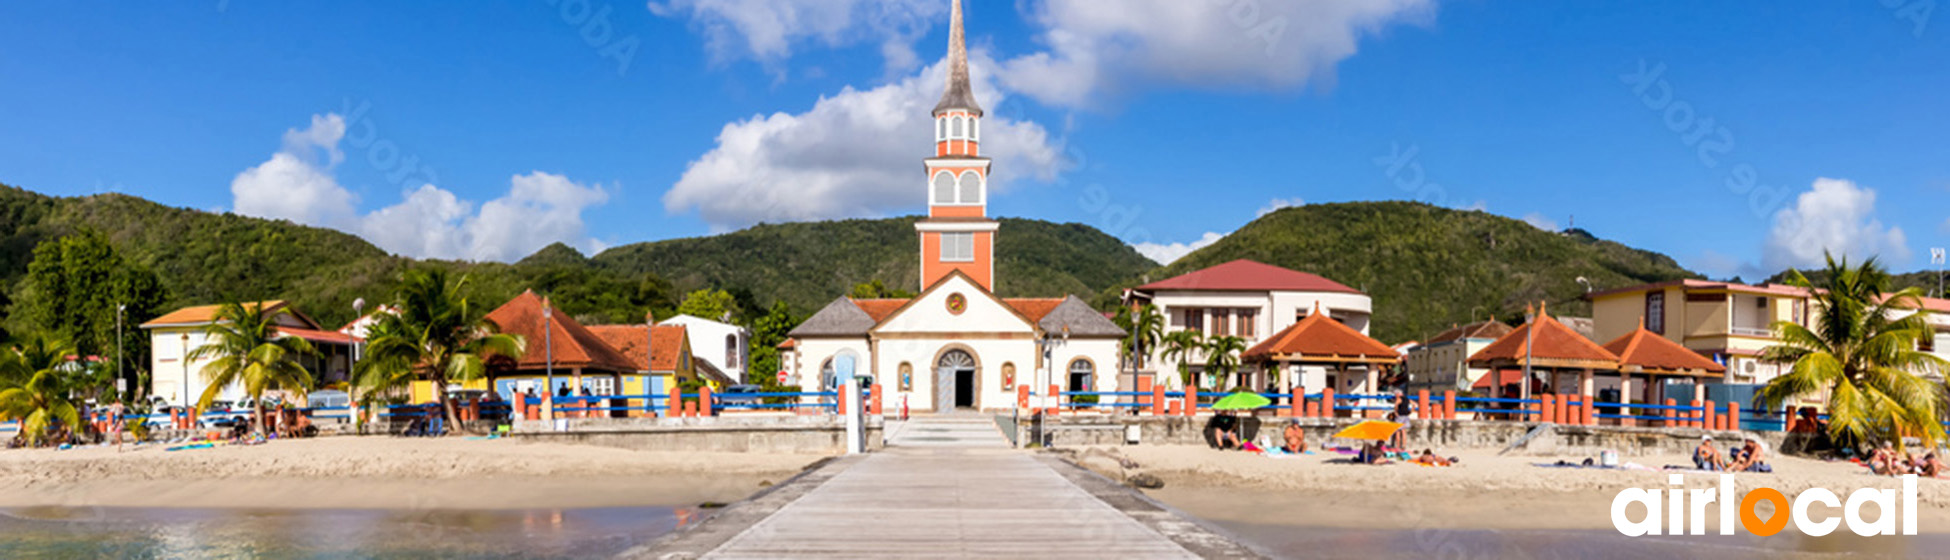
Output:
x,y
1195,320
957,135
975,129
1249,323
1655,312
958,247
731,351
1801,312
907,377
944,188
971,188
940,130
1082,375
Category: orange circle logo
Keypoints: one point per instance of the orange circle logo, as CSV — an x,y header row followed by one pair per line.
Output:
x,y
1751,520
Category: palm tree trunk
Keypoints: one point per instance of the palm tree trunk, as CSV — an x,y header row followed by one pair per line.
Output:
x,y
257,405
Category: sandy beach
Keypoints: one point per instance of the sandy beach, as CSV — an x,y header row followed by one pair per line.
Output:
x,y
1485,491
385,473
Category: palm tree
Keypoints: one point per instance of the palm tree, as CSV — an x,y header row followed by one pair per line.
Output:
x,y
1861,351
433,335
1145,327
1180,346
245,348
35,387
1222,356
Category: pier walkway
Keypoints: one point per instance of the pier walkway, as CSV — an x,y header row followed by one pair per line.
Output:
x,y
950,487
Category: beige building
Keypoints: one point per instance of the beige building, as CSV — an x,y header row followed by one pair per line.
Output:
x,y
1730,323
1249,300
1443,362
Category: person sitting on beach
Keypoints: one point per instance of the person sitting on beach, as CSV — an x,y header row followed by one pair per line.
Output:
x,y
1882,460
1930,466
1706,457
1296,438
1372,454
1225,432
1749,458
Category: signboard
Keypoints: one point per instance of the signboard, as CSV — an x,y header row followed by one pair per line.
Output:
x,y
782,378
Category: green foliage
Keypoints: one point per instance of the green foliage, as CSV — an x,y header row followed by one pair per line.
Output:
x,y
1429,267
715,305
436,335
1181,346
1222,357
878,290
767,333
1147,326
1861,352
245,348
73,288
36,384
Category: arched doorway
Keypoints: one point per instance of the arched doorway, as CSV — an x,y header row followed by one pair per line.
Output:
x,y
954,381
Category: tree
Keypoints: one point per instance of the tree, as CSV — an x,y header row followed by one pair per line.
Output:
x,y
436,335
767,333
878,290
1181,346
1222,356
1861,351
72,291
246,348
35,380
1145,327
707,303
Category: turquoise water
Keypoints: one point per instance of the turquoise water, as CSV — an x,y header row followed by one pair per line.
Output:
x,y
196,533
1359,544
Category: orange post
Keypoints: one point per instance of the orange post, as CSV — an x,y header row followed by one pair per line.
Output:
x,y
1056,397
1296,402
1158,400
1449,404
1422,399
676,403
1022,397
1172,408
1733,416
1590,413
839,402
1327,403
1547,408
704,402
1694,418
874,406
1670,413
1143,386
1190,408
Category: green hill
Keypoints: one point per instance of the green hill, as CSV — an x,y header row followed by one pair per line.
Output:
x,y
1428,267
809,264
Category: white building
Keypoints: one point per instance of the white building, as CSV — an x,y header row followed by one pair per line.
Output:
x,y
1246,299
726,347
956,345
177,334
1443,361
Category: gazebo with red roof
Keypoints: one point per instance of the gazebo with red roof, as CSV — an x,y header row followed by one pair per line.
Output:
x,y
555,341
1659,358
1546,344
1322,342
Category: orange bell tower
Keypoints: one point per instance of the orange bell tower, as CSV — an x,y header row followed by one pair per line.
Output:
x,y
957,234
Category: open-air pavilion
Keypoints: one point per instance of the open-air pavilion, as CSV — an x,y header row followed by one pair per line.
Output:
x,y
1560,361
1320,353
1659,359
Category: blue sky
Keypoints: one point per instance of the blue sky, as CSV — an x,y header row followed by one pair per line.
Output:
x,y
490,131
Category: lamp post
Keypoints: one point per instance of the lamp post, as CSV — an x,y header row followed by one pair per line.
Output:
x,y
186,372
548,345
1529,336
120,382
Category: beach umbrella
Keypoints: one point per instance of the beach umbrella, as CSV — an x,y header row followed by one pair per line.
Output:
x,y
1241,401
1370,430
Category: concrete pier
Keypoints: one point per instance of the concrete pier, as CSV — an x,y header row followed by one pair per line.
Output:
x,y
948,487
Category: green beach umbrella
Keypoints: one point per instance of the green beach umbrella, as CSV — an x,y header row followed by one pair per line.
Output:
x,y
1241,401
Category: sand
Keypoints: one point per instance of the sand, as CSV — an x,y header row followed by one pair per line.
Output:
x,y
385,473
1486,491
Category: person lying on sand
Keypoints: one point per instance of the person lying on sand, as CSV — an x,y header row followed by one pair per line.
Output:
x,y
1429,458
1930,466
1706,457
1296,438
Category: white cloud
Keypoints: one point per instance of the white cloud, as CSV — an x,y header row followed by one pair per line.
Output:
x,y
1276,204
1166,253
295,184
1540,221
768,30
853,154
1262,44
1836,216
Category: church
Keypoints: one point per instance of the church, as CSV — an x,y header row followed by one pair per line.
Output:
x,y
957,345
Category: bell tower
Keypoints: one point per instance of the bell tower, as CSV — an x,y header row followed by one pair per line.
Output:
x,y
957,234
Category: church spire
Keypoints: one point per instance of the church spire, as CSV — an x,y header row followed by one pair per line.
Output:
x,y
960,95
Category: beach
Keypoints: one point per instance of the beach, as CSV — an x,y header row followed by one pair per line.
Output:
x,y
1484,492
384,473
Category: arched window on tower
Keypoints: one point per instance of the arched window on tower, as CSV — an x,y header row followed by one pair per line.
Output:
x,y
944,188
975,129
957,135
971,188
940,130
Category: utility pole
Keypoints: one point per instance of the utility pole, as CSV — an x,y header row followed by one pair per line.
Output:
x,y
1529,336
121,383
548,344
1936,258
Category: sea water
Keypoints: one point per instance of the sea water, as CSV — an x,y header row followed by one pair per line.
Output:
x,y
335,533
1386,544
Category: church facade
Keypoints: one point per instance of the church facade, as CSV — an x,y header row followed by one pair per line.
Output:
x,y
957,345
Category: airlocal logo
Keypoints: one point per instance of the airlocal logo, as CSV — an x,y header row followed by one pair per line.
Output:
x,y
1676,501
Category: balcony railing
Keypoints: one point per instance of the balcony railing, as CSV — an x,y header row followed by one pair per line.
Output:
x,y
1753,331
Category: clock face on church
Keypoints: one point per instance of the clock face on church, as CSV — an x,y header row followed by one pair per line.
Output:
x,y
957,303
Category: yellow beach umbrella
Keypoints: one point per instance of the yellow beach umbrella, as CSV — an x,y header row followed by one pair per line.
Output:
x,y
1370,430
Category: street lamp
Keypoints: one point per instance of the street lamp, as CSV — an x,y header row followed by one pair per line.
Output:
x,y
121,383
548,344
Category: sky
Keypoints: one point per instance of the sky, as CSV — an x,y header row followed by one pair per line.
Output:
x,y
1739,137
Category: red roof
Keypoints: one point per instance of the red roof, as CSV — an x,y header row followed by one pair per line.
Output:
x,y
1321,338
328,337
1248,276
1034,309
206,314
666,344
1554,345
572,344
1652,353
789,344
879,309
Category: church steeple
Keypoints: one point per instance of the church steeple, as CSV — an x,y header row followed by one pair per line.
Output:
x,y
959,95
957,235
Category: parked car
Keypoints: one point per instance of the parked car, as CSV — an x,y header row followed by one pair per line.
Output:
x,y
328,399
740,394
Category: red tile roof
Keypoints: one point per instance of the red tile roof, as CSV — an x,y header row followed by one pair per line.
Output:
x,y
1319,337
1249,276
204,314
879,309
1651,353
573,345
328,337
1035,309
1553,345
789,344
666,343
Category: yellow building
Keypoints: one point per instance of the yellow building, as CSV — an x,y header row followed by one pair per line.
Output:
x,y
1730,323
177,379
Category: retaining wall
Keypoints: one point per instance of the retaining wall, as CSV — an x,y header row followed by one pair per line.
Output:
x,y
762,434
1446,434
